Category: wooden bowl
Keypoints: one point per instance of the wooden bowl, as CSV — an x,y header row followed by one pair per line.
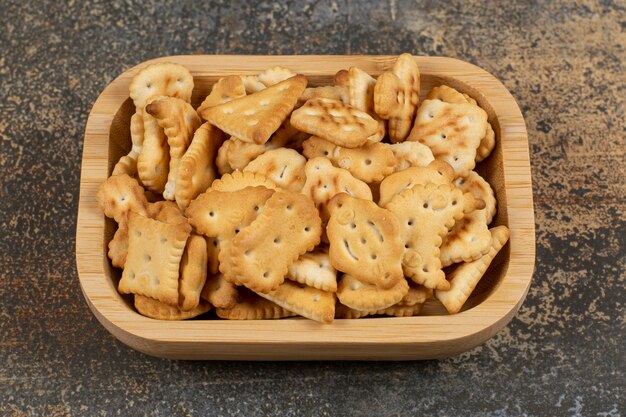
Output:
x,y
434,334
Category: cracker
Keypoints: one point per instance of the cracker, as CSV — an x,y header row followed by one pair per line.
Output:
x,y
487,143
250,306
213,251
368,297
224,90
305,301
154,253
464,278
255,117
333,92
284,167
341,78
239,180
136,133
154,160
324,181
425,212
437,172
259,256
161,79
118,246
158,310
364,241
252,84
179,121
417,294
449,95
119,195
126,165
193,272
398,310
481,189
314,270
235,154
370,163
334,121
361,91
196,170
452,131
219,292
410,154
396,95
166,212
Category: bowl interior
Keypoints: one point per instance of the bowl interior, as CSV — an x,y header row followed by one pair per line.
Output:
x,y
491,169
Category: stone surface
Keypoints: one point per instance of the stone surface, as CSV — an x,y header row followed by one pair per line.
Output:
x,y
562,355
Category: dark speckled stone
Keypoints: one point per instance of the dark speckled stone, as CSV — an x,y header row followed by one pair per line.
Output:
x,y
564,353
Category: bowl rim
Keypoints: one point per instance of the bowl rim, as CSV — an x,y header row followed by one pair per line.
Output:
x,y
468,328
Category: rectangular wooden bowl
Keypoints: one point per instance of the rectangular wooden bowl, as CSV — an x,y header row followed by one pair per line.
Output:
x,y
434,334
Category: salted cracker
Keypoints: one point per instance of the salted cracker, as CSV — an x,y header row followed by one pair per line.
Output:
x,y
119,195
224,90
284,167
398,310
219,292
193,273
410,154
118,246
161,79
361,92
363,296
314,270
333,92
125,165
305,301
487,143
239,180
250,306
158,310
154,159
166,212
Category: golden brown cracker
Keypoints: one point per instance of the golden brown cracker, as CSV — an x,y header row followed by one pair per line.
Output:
x,y
224,90
284,167
333,92
361,93
193,273
154,159
410,154
308,302
119,195
250,306
314,270
487,143
126,165
166,212
158,310
219,292
161,79
118,246
239,180
368,297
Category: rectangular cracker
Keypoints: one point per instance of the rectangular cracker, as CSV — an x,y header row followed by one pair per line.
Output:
x,y
308,302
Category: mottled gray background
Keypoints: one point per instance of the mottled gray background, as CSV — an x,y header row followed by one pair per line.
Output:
x,y
562,355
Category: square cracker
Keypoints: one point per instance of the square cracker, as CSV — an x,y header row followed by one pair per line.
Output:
x,y
154,253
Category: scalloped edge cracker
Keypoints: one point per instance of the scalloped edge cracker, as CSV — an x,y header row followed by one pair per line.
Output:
x,y
158,310
368,297
315,270
305,301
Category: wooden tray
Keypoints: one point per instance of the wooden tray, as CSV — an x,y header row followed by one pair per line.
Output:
x,y
431,335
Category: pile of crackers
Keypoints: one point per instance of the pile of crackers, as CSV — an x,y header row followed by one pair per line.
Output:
x,y
273,199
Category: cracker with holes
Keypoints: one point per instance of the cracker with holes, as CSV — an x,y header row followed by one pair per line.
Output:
x,y
334,121
361,91
161,79
324,181
239,180
370,163
259,256
224,90
119,195
254,118
364,241
154,159
196,170
396,95
158,310
437,172
219,292
250,306
284,167
452,131
179,122
314,270
193,272
305,301
235,154
154,253
469,238
425,213
466,276
368,297
410,154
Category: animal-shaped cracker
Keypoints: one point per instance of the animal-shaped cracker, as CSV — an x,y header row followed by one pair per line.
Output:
x,y
365,241
369,163
259,256
179,122
425,213
196,170
452,131
410,154
193,272
308,302
224,90
158,310
464,278
396,95
154,159
334,121
437,172
255,117
154,253
314,269
119,195
361,90
219,292
161,79
239,180
324,181
368,297
284,167
469,238
250,306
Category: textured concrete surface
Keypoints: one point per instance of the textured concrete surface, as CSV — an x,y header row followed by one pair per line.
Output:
x,y
562,355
